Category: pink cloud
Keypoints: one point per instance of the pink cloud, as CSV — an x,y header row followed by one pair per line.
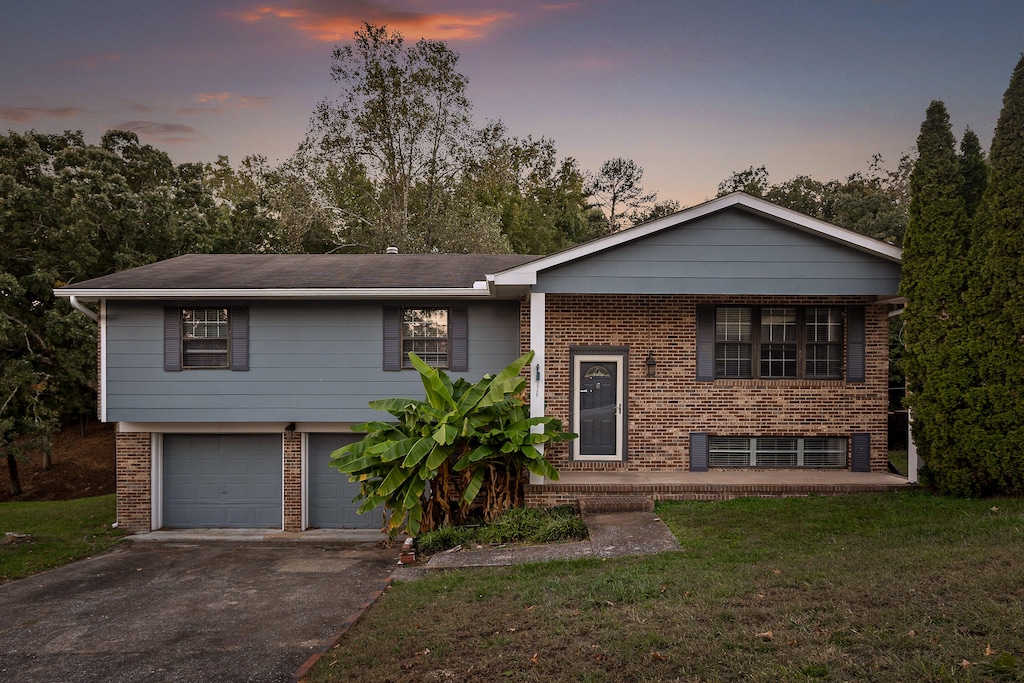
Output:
x,y
205,97
23,114
224,100
164,133
328,22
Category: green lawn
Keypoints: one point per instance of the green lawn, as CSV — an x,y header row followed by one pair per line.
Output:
x,y
891,587
900,460
61,532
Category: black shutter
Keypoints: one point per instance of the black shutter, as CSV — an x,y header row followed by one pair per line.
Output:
x,y
458,338
699,451
705,343
855,344
172,339
239,325
392,338
860,452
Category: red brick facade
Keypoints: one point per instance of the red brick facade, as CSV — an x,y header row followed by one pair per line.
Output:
x,y
134,477
664,410
292,481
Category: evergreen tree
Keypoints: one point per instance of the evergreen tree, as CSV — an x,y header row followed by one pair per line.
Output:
x,y
934,249
996,303
973,171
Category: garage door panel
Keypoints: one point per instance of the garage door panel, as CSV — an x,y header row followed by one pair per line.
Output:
x,y
330,494
222,481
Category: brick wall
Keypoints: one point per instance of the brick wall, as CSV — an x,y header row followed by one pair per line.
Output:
x,y
292,481
134,475
664,410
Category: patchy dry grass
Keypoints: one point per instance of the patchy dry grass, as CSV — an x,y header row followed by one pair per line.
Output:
x,y
517,525
893,587
52,533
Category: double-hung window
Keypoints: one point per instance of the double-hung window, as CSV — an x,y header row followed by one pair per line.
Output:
x,y
206,338
425,333
439,335
778,342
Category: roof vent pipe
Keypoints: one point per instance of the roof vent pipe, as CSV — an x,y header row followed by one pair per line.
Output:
x,y
391,250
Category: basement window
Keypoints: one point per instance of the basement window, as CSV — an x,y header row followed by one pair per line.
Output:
x,y
777,452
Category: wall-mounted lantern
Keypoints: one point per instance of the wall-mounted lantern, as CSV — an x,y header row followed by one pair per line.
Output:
x,y
651,364
290,430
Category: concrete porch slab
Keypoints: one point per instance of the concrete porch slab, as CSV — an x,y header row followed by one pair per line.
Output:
x,y
734,478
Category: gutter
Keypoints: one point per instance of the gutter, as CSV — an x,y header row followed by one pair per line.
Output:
x,y
77,305
479,289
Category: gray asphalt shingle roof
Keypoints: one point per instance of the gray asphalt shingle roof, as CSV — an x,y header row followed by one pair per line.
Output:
x,y
308,271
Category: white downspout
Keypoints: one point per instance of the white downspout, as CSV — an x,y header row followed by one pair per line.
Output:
x,y
77,305
912,462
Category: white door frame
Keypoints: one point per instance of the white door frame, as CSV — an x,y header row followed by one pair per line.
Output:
x,y
619,358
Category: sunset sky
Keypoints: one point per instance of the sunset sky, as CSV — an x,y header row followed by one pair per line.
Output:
x,y
689,90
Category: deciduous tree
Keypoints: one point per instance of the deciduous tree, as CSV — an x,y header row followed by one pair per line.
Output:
x,y
617,191
403,115
71,211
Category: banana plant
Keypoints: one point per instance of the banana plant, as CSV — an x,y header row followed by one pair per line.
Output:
x,y
462,440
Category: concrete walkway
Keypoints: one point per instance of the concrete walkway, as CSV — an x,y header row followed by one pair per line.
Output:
x,y
612,534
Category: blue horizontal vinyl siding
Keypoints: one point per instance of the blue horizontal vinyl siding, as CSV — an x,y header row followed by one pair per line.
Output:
x,y
308,361
730,252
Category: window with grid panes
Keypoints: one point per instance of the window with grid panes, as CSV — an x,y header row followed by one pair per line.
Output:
x,y
205,333
778,342
733,336
823,342
425,333
776,452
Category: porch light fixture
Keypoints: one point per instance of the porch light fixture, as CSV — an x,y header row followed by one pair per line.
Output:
x,y
290,429
651,364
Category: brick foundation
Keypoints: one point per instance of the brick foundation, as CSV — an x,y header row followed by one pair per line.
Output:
x,y
664,410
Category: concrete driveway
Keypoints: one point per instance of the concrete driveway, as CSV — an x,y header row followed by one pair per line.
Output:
x,y
186,611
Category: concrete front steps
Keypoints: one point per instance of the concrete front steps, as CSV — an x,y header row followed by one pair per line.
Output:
x,y
611,503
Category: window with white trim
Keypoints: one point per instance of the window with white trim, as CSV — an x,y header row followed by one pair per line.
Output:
x,y
778,342
425,333
774,451
205,338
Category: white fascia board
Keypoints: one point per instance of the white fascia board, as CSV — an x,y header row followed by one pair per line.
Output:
x,y
364,293
272,427
526,274
203,427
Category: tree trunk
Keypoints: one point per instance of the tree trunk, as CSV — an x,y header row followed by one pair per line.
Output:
x,y
12,468
47,458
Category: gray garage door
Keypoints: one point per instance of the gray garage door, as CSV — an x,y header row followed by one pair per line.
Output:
x,y
222,480
330,492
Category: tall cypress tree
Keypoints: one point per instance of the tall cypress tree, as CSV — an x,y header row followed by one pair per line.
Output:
x,y
933,280
996,302
973,171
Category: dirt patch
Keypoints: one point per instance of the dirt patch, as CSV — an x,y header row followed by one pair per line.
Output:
x,y
83,465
